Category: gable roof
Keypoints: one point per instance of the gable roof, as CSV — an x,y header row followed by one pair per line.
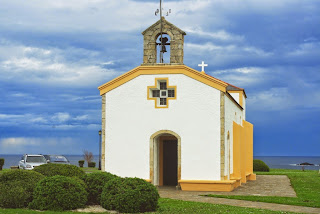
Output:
x,y
163,69
164,21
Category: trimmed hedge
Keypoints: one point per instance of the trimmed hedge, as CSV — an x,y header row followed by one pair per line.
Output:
x,y
95,182
129,195
16,188
81,163
260,166
1,162
52,169
92,164
59,193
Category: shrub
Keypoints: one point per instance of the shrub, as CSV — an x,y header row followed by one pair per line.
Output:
x,y
16,189
95,182
129,195
1,163
260,166
13,195
59,193
52,169
92,164
81,163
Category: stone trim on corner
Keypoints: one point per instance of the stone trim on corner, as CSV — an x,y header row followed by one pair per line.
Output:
x,y
103,136
222,135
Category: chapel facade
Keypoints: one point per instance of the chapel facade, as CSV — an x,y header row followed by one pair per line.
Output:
x,y
172,125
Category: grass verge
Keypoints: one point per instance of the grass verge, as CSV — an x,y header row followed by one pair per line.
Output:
x,y
305,183
176,206
90,169
170,206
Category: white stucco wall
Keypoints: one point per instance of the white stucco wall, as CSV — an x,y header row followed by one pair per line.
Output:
x,y
235,96
244,107
131,119
232,113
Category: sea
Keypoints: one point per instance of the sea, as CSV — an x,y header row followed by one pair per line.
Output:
x,y
278,162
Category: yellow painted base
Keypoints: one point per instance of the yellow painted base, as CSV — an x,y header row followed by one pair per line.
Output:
x,y
237,180
148,180
208,185
252,177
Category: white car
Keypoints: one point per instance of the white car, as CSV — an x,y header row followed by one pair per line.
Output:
x,y
30,161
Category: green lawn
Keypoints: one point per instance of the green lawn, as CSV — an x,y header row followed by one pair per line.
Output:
x,y
170,206
305,183
90,169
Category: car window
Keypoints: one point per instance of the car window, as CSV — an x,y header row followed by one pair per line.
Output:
x,y
22,158
58,158
36,159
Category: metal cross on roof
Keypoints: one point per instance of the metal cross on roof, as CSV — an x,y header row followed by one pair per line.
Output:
x,y
202,65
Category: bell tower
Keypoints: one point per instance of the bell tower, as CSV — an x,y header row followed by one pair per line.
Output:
x,y
157,36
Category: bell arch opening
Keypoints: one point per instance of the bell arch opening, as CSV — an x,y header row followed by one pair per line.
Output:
x,y
163,47
165,158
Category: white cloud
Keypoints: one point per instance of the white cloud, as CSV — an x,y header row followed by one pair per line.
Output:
x,y
59,120
274,99
38,145
243,77
108,63
282,99
220,35
61,117
38,120
81,117
227,50
244,70
51,66
19,141
306,49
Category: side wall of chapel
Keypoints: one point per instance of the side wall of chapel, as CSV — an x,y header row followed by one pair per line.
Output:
x,y
232,114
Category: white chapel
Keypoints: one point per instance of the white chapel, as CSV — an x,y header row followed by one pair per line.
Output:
x,y
172,125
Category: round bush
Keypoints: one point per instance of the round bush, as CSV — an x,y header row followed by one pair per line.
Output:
x,y
95,182
59,193
129,195
16,188
260,166
13,195
52,169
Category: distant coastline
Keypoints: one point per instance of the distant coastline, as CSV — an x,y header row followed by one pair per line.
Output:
x,y
278,162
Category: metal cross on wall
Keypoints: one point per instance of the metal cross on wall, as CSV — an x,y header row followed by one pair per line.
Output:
x,y
161,92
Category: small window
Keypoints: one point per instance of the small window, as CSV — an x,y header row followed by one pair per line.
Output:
x,y
163,93
156,93
163,85
163,101
170,93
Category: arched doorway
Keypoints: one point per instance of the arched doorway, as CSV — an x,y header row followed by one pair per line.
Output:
x,y
165,158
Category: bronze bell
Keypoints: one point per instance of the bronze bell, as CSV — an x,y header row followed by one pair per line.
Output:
x,y
163,49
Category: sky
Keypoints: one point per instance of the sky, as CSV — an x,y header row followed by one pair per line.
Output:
x,y
54,55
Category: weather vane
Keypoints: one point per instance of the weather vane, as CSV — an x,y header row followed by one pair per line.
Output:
x,y
163,41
